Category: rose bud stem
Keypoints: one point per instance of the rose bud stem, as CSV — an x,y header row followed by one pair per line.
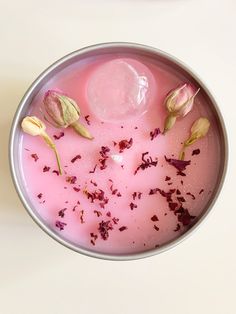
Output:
x,y
50,143
80,129
182,153
169,122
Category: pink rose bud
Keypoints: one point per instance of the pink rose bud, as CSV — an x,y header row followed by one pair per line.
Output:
x,y
179,102
62,111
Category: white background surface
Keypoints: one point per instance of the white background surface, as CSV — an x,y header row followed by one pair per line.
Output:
x,y
37,275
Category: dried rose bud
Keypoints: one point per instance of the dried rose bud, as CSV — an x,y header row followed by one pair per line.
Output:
x,y
63,111
35,127
199,129
179,102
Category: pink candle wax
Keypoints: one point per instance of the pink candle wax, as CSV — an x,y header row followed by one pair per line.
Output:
x,y
120,208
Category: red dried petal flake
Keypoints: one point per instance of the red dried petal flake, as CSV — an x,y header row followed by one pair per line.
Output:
x,y
71,179
94,238
156,228
193,197
167,195
103,152
167,178
180,165
201,191
196,152
60,225
74,208
35,157
103,163
46,169
184,216
178,192
181,199
98,213
98,195
57,137
154,133
115,220
39,195
56,172
123,228
132,206
146,163
125,144
108,214
104,227
177,227
115,191
172,206
75,158
81,216
87,119
76,189
154,218
114,143
61,212
136,194
94,169
94,183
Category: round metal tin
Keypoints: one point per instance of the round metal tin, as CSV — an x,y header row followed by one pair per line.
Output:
x,y
104,48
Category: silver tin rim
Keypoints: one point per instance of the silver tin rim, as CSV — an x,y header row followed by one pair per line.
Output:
x,y
27,97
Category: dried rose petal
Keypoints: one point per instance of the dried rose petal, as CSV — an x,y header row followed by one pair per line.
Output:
x,y
193,197
71,179
154,133
46,169
123,228
146,163
156,228
98,213
35,157
87,119
75,158
154,218
40,195
180,165
132,206
61,212
57,137
104,228
94,169
125,144
177,227
60,225
196,152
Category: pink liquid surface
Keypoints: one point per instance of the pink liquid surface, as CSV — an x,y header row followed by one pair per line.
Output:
x,y
142,233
